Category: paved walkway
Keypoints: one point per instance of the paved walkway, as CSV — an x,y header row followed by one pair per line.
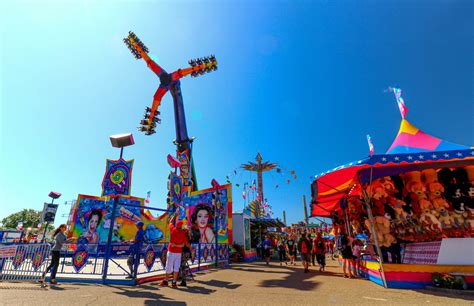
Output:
x,y
242,284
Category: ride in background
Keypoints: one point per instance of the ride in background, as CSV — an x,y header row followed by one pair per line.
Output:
x,y
421,190
255,203
182,186
105,227
170,82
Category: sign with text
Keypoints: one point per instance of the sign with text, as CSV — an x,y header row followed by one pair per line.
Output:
x,y
49,212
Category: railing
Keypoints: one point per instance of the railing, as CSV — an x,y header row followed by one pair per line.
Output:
x,y
86,262
23,262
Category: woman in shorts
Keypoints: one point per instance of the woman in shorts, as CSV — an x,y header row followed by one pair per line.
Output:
x,y
291,249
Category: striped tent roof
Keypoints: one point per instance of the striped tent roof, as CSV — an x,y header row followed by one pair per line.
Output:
x,y
411,139
411,150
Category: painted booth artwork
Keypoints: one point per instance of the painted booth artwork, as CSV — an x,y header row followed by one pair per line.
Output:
x,y
118,177
209,212
92,220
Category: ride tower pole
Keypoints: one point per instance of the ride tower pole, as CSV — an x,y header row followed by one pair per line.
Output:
x,y
259,167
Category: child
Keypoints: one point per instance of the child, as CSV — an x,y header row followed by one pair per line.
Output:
x,y
356,250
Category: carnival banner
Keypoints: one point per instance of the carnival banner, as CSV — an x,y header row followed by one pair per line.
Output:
x,y
176,188
38,256
185,168
150,257
92,220
209,211
79,258
19,257
118,177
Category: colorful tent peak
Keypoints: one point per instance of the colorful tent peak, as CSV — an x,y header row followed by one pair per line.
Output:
x,y
411,139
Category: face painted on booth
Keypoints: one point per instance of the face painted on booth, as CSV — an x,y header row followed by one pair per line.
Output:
x,y
93,222
202,218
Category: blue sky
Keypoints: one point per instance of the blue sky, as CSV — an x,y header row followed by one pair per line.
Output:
x,y
300,81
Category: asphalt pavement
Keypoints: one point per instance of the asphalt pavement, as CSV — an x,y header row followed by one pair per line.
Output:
x,y
241,284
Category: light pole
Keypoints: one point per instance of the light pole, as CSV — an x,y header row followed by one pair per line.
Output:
x,y
46,215
117,141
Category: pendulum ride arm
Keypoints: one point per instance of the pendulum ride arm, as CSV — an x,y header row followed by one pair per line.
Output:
x,y
170,82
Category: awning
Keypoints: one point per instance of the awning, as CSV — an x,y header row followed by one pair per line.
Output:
x,y
267,222
411,150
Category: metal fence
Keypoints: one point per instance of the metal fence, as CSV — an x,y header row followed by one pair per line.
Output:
x,y
88,262
23,262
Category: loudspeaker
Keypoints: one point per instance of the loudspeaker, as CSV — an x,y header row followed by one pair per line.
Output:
x,y
122,140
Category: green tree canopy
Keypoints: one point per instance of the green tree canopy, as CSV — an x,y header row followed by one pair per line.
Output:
x,y
29,217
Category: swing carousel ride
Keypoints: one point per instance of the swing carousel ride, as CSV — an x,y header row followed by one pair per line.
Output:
x,y
255,203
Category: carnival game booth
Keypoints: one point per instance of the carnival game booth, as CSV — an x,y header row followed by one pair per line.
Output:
x,y
419,195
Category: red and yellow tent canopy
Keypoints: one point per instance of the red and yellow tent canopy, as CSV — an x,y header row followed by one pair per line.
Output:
x,y
411,150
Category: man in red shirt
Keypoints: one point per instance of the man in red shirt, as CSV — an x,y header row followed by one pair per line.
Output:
x,y
178,239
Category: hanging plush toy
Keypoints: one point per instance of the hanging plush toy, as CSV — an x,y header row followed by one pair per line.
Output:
x,y
444,217
377,194
391,191
355,210
440,202
415,189
457,190
389,186
470,187
425,204
398,209
382,226
434,188
427,219
459,218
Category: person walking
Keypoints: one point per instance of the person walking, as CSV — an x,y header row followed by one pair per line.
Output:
x,y
259,249
135,249
313,250
320,251
60,238
304,247
282,251
267,245
347,256
291,248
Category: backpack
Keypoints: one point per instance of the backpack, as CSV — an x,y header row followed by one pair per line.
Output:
x,y
341,242
320,245
304,248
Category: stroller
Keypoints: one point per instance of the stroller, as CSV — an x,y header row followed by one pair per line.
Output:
x,y
185,269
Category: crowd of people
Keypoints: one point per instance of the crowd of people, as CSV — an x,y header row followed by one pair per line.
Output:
x,y
310,246
312,249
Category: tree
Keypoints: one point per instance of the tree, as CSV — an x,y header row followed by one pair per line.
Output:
x,y
29,217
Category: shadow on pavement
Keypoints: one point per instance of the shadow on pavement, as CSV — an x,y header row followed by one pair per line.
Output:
x,y
293,276
57,288
197,290
143,292
18,287
294,279
220,284
261,270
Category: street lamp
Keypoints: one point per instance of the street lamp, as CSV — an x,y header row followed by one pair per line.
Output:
x,y
49,211
117,141
121,141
